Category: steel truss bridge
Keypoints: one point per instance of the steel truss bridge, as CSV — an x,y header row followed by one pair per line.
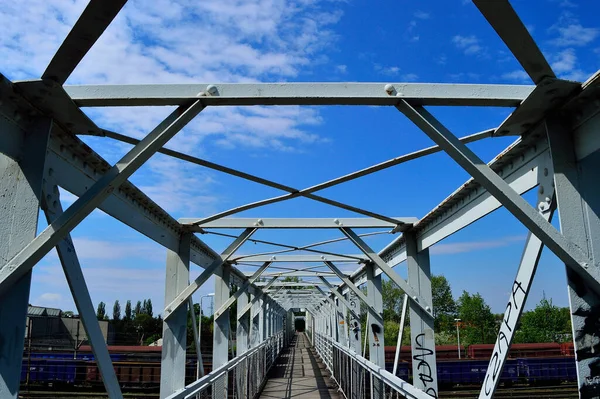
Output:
x,y
556,152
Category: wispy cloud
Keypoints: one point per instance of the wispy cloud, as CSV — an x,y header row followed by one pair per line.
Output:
x,y
421,15
94,249
387,70
517,76
570,32
341,68
565,65
472,246
470,45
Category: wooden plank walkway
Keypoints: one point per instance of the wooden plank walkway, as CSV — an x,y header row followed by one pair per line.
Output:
x,y
299,373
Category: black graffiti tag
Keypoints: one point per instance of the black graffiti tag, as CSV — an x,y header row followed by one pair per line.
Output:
x,y
425,375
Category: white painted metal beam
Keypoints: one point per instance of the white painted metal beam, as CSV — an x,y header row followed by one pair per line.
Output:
x,y
299,94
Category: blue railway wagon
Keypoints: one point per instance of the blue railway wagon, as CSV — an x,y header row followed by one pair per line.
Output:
x,y
403,369
545,370
45,371
467,372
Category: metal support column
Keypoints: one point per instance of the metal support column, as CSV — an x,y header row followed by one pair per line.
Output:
x,y
242,344
421,323
354,326
172,366
578,199
22,158
221,328
375,329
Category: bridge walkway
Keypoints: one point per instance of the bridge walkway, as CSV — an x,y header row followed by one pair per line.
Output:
x,y
299,373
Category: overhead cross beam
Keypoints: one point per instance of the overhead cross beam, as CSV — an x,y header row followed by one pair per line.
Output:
x,y
299,94
294,223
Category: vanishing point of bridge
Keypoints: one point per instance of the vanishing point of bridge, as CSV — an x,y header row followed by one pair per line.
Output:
x,y
556,126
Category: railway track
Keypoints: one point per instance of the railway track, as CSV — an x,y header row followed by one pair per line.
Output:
x,y
561,391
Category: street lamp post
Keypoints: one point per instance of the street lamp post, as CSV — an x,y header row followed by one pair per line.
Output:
x,y
458,335
200,361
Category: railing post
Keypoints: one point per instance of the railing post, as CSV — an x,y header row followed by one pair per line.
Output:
x,y
375,329
421,323
221,328
172,375
22,159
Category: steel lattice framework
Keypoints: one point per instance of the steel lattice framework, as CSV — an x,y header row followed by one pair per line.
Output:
x,y
556,151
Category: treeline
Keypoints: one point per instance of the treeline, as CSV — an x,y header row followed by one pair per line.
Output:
x,y
138,325
477,324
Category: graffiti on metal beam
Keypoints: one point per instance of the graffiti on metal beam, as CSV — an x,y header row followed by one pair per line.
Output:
x,y
425,375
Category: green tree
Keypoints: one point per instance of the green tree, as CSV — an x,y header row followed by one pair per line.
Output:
x,y
147,307
392,301
478,322
128,315
546,323
117,310
138,309
68,313
101,311
444,306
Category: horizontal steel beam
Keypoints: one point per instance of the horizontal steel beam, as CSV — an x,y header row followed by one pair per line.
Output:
x,y
290,284
355,258
300,94
295,223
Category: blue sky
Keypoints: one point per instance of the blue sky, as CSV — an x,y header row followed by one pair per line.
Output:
x,y
167,41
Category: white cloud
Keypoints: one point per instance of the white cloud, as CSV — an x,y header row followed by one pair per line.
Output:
x,y
410,77
468,44
471,246
565,65
342,68
93,249
168,41
422,15
518,76
570,32
387,70
49,299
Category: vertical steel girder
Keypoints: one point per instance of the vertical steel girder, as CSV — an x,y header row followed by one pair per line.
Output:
x,y
421,302
21,176
81,296
354,327
578,200
375,329
172,366
424,364
242,290
33,252
221,327
206,274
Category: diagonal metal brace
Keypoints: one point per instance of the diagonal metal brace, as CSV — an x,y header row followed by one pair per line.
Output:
x,y
340,297
563,248
257,297
207,273
374,313
241,290
391,273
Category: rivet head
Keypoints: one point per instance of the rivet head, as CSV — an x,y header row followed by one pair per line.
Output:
x,y
212,90
389,89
